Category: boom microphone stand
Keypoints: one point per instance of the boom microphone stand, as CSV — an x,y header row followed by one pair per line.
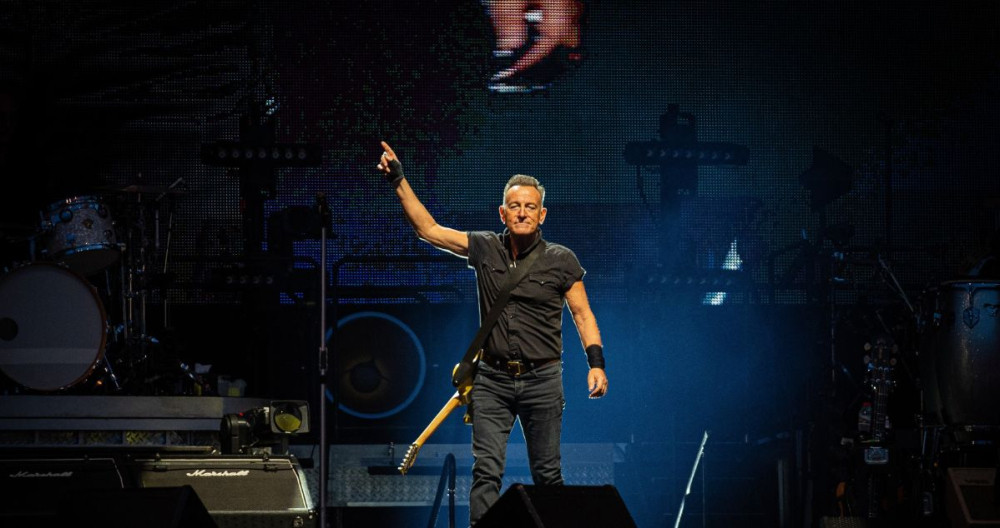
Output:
x,y
687,490
324,215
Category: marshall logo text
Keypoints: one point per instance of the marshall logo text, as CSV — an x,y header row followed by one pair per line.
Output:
x,y
223,473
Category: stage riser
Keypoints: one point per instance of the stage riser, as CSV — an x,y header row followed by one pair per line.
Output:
x,y
364,475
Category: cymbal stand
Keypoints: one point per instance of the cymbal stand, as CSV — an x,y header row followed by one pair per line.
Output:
x,y
108,369
136,277
135,339
166,246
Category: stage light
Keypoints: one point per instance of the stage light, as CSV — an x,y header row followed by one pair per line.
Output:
x,y
704,153
732,262
232,153
264,429
289,417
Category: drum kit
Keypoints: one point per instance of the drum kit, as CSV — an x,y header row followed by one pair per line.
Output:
x,y
73,310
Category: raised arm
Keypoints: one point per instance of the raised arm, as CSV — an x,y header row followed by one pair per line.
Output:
x,y
419,217
590,336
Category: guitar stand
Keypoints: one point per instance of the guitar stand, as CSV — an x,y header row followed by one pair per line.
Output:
x,y
687,490
447,477
447,471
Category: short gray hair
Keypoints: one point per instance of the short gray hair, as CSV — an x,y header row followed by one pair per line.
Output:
x,y
526,181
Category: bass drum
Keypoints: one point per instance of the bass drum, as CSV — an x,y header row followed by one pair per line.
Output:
x,y
967,352
53,327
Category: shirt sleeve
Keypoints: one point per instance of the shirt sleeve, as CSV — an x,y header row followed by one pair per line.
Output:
x,y
572,270
478,244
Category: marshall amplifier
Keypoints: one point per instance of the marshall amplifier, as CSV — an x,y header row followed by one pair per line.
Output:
x,y
238,491
971,498
36,486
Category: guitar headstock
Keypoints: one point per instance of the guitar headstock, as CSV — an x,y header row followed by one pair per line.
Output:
x,y
880,360
409,458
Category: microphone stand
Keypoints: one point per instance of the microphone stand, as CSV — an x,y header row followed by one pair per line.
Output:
x,y
687,490
324,215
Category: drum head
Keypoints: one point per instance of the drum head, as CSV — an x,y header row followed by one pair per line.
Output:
x,y
52,327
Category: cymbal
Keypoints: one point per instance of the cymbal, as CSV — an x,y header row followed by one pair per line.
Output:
x,y
143,189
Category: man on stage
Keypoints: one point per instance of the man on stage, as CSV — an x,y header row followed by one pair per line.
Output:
x,y
520,373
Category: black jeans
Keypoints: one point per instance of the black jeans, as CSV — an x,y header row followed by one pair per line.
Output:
x,y
536,399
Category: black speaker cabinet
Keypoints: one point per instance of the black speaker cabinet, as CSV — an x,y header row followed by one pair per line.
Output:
x,y
32,485
177,507
238,491
525,506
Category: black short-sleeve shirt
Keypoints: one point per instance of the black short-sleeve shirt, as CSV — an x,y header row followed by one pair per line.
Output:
x,y
530,327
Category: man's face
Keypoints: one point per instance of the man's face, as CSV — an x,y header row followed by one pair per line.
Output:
x,y
522,211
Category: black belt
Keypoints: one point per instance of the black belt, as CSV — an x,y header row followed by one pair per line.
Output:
x,y
516,367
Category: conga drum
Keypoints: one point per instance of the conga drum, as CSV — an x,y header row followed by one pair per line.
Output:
x,y
967,352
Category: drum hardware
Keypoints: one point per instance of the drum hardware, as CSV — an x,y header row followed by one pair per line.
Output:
x,y
109,374
17,244
139,206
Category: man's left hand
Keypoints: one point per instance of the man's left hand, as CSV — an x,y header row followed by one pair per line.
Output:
x,y
597,380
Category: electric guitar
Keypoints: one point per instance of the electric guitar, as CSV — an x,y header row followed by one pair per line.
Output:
x,y
462,377
880,363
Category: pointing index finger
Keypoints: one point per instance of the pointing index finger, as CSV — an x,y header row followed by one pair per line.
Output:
x,y
388,150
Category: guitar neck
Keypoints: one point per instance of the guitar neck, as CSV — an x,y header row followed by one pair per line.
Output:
x,y
449,406
411,453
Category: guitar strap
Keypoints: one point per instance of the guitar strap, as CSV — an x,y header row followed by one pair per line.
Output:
x,y
465,368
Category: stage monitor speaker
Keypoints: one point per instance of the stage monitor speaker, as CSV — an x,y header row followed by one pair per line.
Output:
x,y
971,497
177,507
238,491
526,506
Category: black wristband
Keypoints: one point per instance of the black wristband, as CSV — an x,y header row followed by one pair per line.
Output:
x,y
395,174
595,356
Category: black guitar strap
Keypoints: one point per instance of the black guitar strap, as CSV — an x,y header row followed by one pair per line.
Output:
x,y
520,272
